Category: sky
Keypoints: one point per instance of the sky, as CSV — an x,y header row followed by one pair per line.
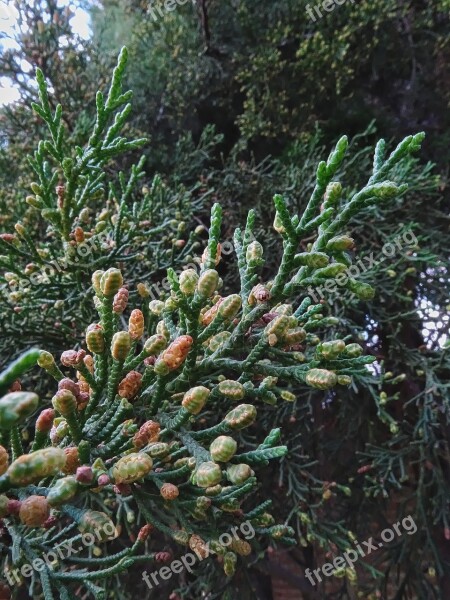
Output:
x,y
8,22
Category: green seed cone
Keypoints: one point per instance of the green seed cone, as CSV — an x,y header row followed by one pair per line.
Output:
x,y
208,282
16,407
321,379
188,281
111,282
64,402
194,399
240,417
63,490
223,448
132,467
120,345
208,474
237,474
37,465
97,524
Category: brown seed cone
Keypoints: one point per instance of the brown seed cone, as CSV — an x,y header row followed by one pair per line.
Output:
x,y
211,313
89,362
144,532
72,461
68,384
4,460
198,546
84,387
34,511
149,432
136,324
44,422
16,386
176,353
120,301
130,385
169,491
78,234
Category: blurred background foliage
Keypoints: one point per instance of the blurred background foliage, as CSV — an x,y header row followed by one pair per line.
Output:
x,y
240,99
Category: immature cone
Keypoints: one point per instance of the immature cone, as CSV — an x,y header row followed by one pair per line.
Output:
x,y
240,417
223,448
15,407
188,281
259,294
63,490
194,399
169,491
131,468
84,475
111,282
45,360
64,402
321,379
208,282
208,474
120,345
73,358
4,461
278,224
120,301
254,254
130,385
136,324
174,356
231,389
95,340
37,465
149,432
34,511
